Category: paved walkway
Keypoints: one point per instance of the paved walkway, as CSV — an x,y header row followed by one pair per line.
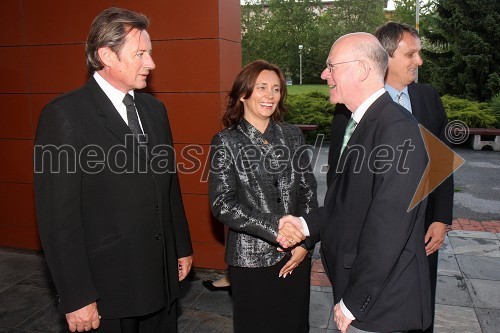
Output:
x,y
468,292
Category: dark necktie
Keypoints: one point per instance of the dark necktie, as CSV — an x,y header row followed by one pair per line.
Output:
x,y
133,119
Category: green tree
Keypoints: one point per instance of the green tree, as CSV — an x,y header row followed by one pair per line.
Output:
x,y
463,38
273,30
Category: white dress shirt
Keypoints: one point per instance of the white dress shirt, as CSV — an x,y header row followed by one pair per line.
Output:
x,y
116,97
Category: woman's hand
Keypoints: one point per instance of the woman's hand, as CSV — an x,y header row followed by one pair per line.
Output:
x,y
298,254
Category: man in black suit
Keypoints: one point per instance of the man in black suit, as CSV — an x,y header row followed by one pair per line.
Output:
x,y
403,44
370,238
109,207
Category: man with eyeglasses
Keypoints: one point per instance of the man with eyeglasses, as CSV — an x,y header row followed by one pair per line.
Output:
x,y
403,45
371,238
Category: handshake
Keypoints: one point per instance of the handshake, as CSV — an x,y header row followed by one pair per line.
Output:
x,y
291,231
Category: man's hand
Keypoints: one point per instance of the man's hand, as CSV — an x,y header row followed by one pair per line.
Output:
x,y
340,319
290,231
434,237
184,265
298,255
84,319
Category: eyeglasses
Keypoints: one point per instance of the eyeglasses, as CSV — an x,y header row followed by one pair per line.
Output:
x,y
331,67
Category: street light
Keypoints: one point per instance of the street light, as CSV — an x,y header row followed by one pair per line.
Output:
x,y
300,63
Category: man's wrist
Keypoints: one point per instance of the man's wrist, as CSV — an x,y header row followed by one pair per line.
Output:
x,y
305,228
346,311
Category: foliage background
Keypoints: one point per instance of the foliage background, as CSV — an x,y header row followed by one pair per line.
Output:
x,y
460,38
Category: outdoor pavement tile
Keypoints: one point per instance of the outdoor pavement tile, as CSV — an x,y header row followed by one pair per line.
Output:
x,y
323,289
476,267
204,322
455,319
448,265
38,280
215,302
471,234
320,309
446,246
452,290
489,320
476,246
48,319
4,286
317,330
20,302
484,293
190,291
16,267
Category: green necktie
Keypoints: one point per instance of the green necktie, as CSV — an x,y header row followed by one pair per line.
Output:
x,y
351,125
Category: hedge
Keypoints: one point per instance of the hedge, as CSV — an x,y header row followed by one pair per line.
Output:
x,y
315,108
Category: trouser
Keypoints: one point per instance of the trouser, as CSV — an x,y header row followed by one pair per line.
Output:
x,y
162,321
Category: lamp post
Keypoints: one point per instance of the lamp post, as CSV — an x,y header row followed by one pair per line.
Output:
x,y
300,63
417,26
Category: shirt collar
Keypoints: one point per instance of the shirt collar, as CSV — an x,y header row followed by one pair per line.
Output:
x,y
116,96
361,110
394,92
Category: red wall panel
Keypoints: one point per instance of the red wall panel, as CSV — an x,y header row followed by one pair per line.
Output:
x,y
197,50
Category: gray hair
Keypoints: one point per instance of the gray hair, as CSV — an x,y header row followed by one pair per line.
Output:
x,y
109,29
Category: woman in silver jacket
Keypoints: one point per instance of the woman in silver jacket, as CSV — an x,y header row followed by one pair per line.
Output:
x,y
260,171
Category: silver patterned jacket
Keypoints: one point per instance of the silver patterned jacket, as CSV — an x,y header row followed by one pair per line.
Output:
x,y
254,180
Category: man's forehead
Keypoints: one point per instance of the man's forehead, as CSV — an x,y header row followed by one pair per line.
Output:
x,y
410,42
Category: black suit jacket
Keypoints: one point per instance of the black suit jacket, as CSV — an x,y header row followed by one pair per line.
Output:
x,y
371,246
429,111
110,215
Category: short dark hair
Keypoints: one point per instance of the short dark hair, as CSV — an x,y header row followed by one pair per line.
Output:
x,y
391,33
110,28
243,86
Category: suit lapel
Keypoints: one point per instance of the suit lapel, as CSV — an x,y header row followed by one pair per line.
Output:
x,y
111,118
416,100
369,117
150,126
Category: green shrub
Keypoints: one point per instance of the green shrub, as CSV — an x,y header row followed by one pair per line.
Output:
x,y
474,114
495,106
311,108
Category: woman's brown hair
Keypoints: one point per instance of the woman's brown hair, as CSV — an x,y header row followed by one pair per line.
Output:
x,y
243,86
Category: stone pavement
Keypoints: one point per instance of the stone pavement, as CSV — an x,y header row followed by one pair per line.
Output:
x,y
468,292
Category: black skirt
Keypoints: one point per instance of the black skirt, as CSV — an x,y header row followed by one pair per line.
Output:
x,y
264,302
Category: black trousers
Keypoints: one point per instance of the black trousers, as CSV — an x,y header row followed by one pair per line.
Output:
x,y
432,260
264,302
163,321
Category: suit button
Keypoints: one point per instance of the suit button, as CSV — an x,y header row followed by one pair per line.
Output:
x,y
157,207
278,200
276,183
158,237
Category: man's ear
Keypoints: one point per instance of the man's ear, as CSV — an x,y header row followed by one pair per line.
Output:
x,y
363,70
106,55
